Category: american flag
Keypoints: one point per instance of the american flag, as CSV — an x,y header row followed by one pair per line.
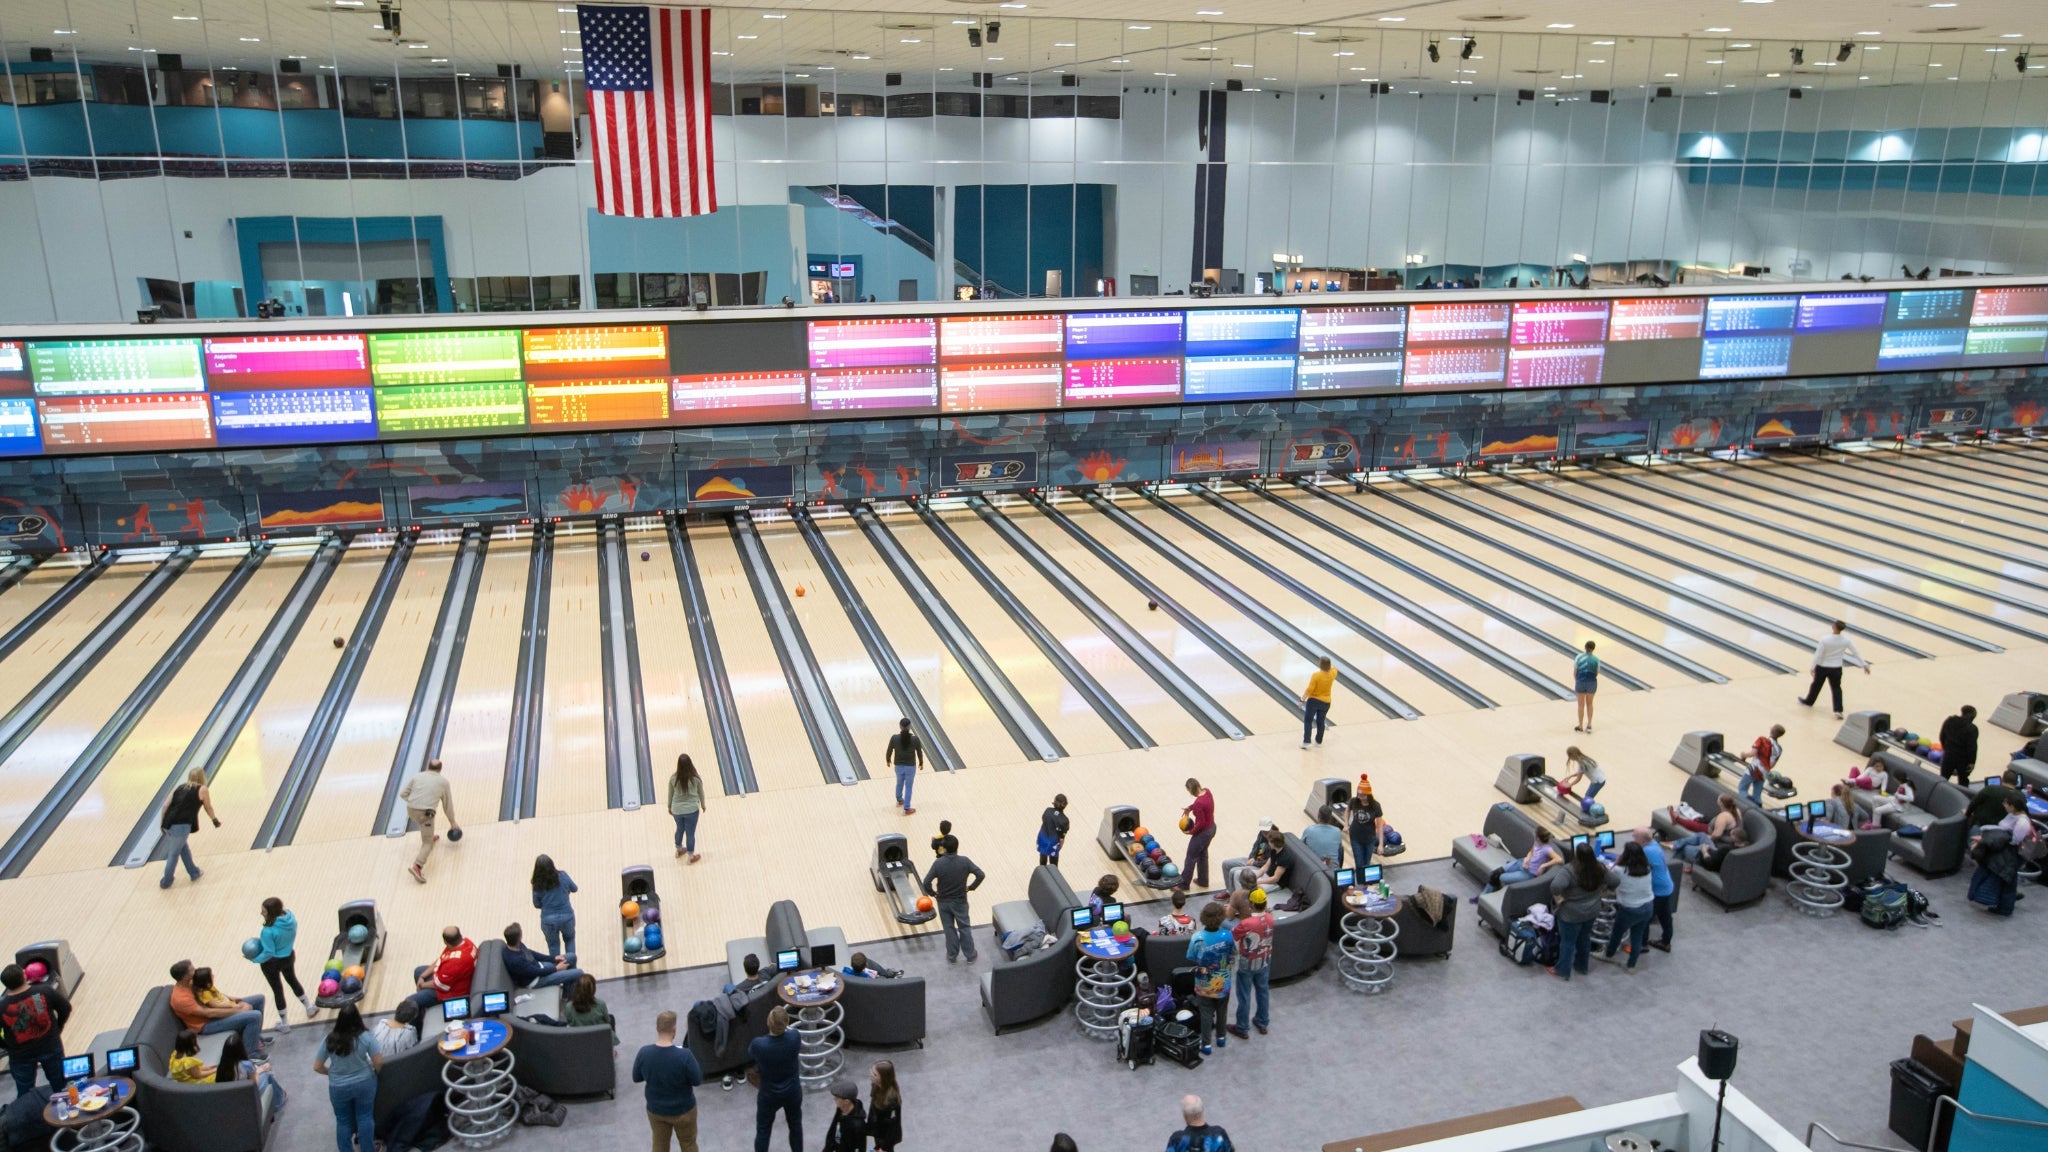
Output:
x,y
649,76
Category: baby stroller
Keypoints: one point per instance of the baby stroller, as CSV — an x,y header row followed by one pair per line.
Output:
x,y
1134,1040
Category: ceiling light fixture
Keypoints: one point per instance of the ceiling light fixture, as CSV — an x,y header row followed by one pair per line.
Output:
x,y
250,39
1798,57
1434,54
1208,11
1720,29
1393,19
1560,25
1842,53
1603,43
1465,53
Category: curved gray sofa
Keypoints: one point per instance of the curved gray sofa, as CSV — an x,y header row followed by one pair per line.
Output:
x,y
1745,872
547,1058
1299,938
412,1073
883,1013
1938,809
745,1028
188,1117
1019,991
1517,831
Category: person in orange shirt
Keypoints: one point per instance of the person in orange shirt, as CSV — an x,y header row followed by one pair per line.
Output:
x,y
1315,703
450,973
245,1016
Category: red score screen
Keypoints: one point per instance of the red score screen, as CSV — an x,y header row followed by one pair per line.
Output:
x,y
124,423
739,397
585,353
1005,337
1556,365
1558,322
1453,367
313,360
1457,323
1000,387
14,377
2010,306
1660,318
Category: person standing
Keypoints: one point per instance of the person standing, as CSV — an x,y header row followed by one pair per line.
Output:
x,y
32,1018
1662,890
351,1060
1197,1134
849,1129
686,802
1583,767
180,820
1635,899
1052,831
1585,682
1209,953
279,959
1762,760
948,881
1315,702
906,754
1367,822
885,1107
671,1074
421,794
1833,651
1253,938
551,890
777,1086
1576,893
1198,820
1959,745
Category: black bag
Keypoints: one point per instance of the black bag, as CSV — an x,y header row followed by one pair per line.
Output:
x,y
537,1110
704,1018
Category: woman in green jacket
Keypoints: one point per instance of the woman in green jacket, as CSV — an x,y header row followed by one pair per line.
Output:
x,y
686,803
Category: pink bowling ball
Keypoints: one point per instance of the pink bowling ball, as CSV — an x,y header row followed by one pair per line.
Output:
x,y
329,987
36,971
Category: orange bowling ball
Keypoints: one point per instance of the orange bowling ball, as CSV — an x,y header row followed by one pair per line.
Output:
x,y
1140,833
924,903
799,590
630,910
355,970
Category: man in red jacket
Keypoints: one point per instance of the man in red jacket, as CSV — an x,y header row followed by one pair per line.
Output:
x,y
450,974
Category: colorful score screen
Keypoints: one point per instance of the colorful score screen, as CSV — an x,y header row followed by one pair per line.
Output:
x,y
444,357
1558,322
639,350
437,409
1012,387
1658,318
125,423
598,403
238,363
739,397
1146,380
281,416
113,367
873,343
1001,338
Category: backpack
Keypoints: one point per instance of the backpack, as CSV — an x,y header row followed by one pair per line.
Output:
x,y
539,1111
1885,906
1527,944
27,1020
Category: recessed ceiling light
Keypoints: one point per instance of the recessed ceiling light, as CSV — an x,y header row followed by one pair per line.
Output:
x,y
1873,47
801,75
1937,65
1121,60
828,68
862,56
1863,77
1744,44
1603,43
1995,49
746,36
995,57
1870,33
1013,5
1205,48
1359,68
1601,60
1166,73
1354,53
1270,79
1944,5
1720,29
1063,44
1713,61
774,16
1240,66
2011,35
250,39
910,40
438,60
63,31
1671,75
1304,31
1139,27
1773,74
1392,19
1208,11
1560,25
174,18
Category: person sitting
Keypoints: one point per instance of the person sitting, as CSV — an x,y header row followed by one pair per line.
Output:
x,y
1724,832
1104,893
186,1067
582,1008
1325,839
449,974
222,1015
1177,922
1239,905
1892,791
531,969
858,965
400,1030
1988,806
1840,809
1542,857
235,1065
1279,866
1262,852
750,966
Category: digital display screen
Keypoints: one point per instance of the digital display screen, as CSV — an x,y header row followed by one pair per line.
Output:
x,y
1111,913
78,1067
1742,314
1082,917
495,1003
115,367
125,423
444,357
1349,372
1001,337
1458,323
1658,318
1241,332
875,391
1834,311
1000,387
313,360
455,1008
1239,378
1453,367
739,397
1123,335
2010,306
1556,365
1931,307
586,353
1559,322
1722,357
1154,380
620,403
437,409
121,1060
1922,348
710,347
18,427
2019,344
279,416
1353,329
13,361
873,343
788,960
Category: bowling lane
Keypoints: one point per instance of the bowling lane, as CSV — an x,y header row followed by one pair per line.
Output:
x,y
351,785
1072,720
1925,478
1506,602
1484,626
1504,557
28,664
480,711
1419,691
96,826
1865,579
778,745
40,761
1224,683
1790,560
1403,628
251,772
1154,710
571,773
677,721
1248,636
35,588
977,734
1700,485
1996,481
1783,486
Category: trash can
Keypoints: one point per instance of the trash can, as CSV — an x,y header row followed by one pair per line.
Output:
x,y
1915,1087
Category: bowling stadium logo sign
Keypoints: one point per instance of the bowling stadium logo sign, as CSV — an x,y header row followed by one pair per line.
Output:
x,y
1321,455
1969,416
25,527
1004,471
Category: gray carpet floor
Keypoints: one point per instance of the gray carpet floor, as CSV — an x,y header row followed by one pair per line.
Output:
x,y
1821,1009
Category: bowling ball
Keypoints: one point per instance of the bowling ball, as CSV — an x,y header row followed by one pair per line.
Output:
x,y
1152,605
924,904
350,985
1187,822
338,642
1169,871
329,987
643,555
454,834
650,914
652,937
331,966
1935,755
251,949
629,910
352,972
1120,928
799,590
358,933
1140,833
1595,808
36,971
632,944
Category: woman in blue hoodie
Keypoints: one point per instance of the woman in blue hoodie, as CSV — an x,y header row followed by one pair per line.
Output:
x,y
279,936
551,889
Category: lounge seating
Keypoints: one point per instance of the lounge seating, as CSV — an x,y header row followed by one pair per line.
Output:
x,y
1745,872
1421,938
1517,832
1938,809
744,1029
1300,939
1019,991
1868,854
784,930
189,1117
412,1073
552,1059
1705,797
883,1013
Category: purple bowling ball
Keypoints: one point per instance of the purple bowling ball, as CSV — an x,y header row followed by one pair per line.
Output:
x,y
1935,755
649,914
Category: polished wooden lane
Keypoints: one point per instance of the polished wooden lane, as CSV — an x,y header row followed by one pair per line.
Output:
x,y
480,712
35,588
676,718
26,666
1983,539
572,748
96,827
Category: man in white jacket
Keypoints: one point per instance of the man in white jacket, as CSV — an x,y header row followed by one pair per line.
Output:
x,y
1833,651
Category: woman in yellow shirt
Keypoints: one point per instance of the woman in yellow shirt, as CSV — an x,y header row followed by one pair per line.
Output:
x,y
1315,703
185,1065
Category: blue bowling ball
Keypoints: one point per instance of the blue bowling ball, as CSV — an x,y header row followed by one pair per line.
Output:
x,y
252,948
632,945
1592,808
351,984
358,934
1169,871
652,937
